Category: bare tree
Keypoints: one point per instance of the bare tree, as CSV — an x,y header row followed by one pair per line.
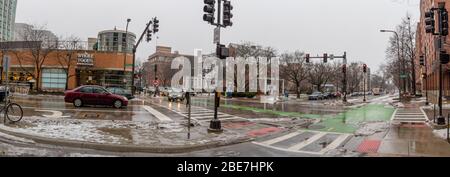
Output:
x,y
320,74
39,54
355,76
294,69
66,54
405,64
249,49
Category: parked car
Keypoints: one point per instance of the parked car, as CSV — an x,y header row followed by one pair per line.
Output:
x,y
337,94
164,91
327,95
94,95
176,95
121,91
316,96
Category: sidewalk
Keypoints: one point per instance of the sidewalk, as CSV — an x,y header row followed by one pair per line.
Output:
x,y
120,136
416,140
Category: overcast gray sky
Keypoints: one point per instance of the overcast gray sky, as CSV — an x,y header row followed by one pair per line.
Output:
x,y
313,26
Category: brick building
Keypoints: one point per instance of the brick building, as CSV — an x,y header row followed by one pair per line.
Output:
x,y
426,46
87,67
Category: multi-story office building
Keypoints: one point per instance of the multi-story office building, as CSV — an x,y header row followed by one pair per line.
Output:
x,y
7,19
116,41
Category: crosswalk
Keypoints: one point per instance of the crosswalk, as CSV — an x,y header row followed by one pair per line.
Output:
x,y
202,115
305,141
409,115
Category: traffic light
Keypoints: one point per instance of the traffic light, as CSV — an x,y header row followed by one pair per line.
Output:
x,y
344,69
307,58
325,58
444,57
444,22
364,68
155,25
227,15
149,35
422,61
209,9
222,51
430,23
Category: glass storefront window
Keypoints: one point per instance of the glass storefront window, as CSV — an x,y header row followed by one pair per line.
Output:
x,y
54,79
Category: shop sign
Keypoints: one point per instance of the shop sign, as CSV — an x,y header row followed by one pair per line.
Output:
x,y
85,59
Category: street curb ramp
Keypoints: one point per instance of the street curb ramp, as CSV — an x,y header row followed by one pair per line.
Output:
x,y
125,148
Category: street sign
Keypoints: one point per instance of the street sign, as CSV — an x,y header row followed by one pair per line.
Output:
x,y
6,64
331,57
156,82
216,35
403,76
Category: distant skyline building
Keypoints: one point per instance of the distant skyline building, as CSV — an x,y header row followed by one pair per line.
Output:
x,y
7,19
20,29
116,41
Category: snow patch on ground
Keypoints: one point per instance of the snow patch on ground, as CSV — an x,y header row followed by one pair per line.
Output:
x,y
372,128
441,133
118,132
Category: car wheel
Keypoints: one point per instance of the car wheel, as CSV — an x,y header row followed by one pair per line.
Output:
x,y
117,104
78,102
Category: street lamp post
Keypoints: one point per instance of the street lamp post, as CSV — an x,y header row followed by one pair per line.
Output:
x,y
399,64
125,51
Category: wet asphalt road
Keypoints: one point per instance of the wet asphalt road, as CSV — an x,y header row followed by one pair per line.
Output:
x,y
135,112
55,106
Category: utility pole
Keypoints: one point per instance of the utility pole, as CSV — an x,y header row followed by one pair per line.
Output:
x,y
364,81
125,52
221,51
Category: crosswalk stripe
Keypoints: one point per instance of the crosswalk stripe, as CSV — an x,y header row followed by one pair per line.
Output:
x,y
281,138
307,142
210,117
335,144
157,114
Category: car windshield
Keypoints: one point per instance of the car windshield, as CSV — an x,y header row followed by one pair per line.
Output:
x,y
317,93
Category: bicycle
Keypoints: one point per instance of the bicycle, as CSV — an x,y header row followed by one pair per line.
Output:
x,y
13,111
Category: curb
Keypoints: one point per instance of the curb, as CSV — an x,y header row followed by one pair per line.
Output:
x,y
125,148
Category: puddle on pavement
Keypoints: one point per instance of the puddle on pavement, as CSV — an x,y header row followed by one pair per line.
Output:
x,y
348,122
414,142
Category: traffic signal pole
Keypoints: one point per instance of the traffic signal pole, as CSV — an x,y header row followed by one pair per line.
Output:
x,y
440,118
133,89
215,124
222,21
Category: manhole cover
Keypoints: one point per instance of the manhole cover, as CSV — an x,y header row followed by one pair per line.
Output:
x,y
316,127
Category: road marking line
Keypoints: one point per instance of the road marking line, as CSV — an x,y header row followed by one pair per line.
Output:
x,y
157,114
307,142
287,150
55,114
281,138
335,144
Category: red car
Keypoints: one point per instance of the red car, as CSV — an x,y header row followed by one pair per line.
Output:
x,y
94,95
